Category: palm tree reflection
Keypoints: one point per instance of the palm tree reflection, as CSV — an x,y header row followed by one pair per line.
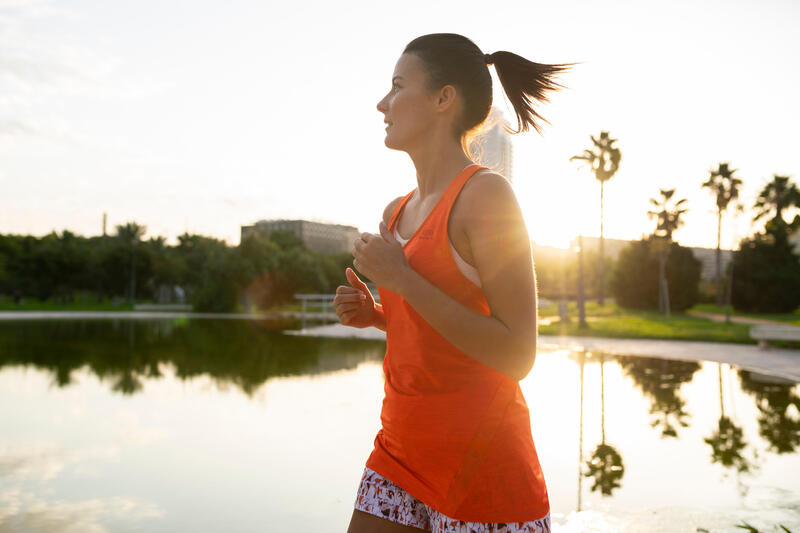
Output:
x,y
605,465
660,380
727,442
779,409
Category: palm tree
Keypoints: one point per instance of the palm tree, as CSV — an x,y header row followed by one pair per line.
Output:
x,y
604,162
669,219
778,195
725,186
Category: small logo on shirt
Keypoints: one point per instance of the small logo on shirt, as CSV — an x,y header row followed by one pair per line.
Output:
x,y
426,234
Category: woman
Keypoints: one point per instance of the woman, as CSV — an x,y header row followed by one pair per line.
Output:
x,y
455,277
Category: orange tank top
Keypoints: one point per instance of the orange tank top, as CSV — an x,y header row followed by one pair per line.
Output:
x,y
455,433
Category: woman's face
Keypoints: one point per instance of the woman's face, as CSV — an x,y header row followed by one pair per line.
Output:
x,y
409,107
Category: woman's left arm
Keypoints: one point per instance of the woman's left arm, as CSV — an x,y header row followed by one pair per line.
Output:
x,y
505,340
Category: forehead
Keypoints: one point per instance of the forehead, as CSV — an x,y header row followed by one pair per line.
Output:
x,y
409,67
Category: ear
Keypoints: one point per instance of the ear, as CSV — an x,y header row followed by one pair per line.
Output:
x,y
446,98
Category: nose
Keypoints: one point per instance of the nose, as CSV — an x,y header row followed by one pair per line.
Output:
x,y
382,105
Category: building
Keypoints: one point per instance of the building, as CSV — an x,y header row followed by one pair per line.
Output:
x,y
708,262
706,256
611,247
492,147
317,236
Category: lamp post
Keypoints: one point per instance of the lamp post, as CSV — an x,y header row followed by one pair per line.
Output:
x,y
133,269
581,297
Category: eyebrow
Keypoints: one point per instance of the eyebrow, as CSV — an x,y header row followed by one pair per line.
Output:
x,y
397,78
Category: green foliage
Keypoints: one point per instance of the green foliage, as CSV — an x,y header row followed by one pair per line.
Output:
x,y
766,272
634,282
264,271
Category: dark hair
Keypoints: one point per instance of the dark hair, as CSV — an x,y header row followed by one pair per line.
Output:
x,y
455,60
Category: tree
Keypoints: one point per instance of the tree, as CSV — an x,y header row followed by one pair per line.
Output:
x,y
668,220
778,195
725,187
767,270
604,162
635,280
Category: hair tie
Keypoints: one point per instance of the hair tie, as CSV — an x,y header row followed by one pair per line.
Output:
x,y
488,59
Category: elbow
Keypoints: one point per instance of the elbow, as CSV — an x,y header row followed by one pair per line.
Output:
x,y
524,361
524,368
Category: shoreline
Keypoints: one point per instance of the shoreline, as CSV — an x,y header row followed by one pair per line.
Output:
x,y
779,362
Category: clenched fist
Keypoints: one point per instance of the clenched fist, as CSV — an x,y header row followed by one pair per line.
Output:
x,y
355,305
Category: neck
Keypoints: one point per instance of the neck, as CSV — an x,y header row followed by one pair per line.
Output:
x,y
437,163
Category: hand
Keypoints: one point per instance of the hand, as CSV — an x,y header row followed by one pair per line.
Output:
x,y
381,258
354,305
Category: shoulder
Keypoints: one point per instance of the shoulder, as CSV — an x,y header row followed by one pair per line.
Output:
x,y
487,192
387,212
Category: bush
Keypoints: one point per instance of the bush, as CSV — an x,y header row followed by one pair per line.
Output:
x,y
766,274
634,282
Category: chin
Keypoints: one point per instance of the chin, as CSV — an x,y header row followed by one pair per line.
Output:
x,y
387,141
391,142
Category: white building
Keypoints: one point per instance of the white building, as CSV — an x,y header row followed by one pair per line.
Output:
x,y
317,236
706,256
492,147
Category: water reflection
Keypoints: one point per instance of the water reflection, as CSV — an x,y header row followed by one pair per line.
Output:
x,y
125,352
132,403
605,465
660,381
727,442
779,409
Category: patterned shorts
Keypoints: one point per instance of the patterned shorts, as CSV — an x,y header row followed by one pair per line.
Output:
x,y
380,497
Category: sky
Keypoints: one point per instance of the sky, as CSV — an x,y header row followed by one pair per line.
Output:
x,y
205,116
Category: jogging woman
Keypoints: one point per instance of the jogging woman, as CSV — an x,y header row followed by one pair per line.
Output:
x,y
455,276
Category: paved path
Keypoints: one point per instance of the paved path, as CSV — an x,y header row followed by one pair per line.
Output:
x,y
774,361
718,317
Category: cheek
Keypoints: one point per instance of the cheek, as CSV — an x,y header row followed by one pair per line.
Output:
x,y
410,110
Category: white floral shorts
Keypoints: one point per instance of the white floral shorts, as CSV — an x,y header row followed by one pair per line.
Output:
x,y
380,497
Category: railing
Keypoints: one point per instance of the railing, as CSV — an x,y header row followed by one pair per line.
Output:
x,y
320,306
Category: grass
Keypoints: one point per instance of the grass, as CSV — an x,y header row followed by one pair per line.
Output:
x,y
614,322
789,318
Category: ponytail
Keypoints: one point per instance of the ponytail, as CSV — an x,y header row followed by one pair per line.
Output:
x,y
523,81
454,59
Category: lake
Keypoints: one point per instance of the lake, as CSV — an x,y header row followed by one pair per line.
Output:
x,y
225,425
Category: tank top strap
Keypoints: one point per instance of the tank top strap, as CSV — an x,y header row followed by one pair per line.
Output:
x,y
397,209
451,193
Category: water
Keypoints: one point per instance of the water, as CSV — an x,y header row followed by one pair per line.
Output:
x,y
227,426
